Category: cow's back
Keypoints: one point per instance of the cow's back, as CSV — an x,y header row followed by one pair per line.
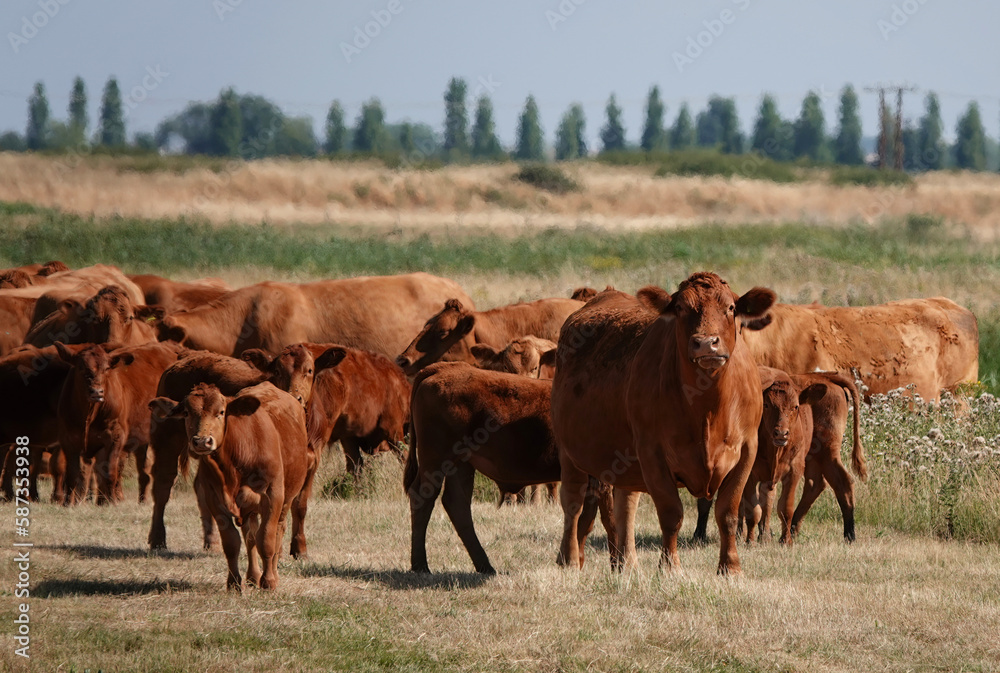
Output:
x,y
596,348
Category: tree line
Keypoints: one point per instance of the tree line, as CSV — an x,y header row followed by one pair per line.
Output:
x,y
251,126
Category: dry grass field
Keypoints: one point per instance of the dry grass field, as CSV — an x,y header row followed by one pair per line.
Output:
x,y
615,198
918,591
891,601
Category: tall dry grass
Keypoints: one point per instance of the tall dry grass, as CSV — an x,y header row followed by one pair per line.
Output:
x,y
289,192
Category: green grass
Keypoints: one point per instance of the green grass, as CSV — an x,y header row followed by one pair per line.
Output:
x,y
867,176
751,166
175,245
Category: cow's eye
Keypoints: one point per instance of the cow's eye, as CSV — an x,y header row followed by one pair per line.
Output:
x,y
732,308
310,371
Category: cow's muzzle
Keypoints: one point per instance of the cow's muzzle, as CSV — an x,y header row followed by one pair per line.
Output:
x,y
203,445
706,353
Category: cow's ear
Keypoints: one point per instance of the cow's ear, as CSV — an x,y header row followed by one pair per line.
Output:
x,y
244,405
755,303
548,358
465,325
70,306
483,352
654,298
758,324
152,313
65,354
121,359
767,377
812,394
164,408
454,305
258,358
168,332
330,358
583,294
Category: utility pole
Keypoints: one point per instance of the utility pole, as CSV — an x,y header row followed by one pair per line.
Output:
x,y
883,136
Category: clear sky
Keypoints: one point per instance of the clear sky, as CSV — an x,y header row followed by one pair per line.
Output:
x,y
560,51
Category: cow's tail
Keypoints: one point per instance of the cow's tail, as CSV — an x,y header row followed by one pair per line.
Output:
x,y
858,463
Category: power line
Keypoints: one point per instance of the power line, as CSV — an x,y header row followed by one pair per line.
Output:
x,y
883,115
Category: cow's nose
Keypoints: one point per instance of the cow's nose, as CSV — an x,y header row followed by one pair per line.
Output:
x,y
780,437
704,345
97,394
203,443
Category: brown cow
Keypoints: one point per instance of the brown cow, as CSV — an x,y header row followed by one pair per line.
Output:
x,y
454,330
931,343
177,296
107,317
15,321
79,284
103,412
360,399
523,355
656,392
467,419
31,380
254,460
376,313
292,370
29,274
585,293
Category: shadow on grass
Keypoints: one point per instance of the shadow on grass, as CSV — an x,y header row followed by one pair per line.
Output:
x,y
119,553
82,587
652,542
398,579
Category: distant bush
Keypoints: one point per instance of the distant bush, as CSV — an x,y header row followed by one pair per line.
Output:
x,y
867,176
920,226
705,162
550,178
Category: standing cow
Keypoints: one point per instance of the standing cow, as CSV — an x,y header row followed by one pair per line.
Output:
x,y
255,458
653,393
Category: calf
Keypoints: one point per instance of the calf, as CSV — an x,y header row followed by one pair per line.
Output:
x,y
454,330
255,458
291,370
360,399
466,419
103,413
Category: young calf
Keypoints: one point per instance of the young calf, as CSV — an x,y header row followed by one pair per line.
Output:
x,y
360,399
800,435
467,419
255,457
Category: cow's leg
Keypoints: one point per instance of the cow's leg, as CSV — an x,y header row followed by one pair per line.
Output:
x,y
252,531
165,461
843,487
457,501
727,508
86,487
625,505
352,456
34,469
600,493
299,507
572,495
814,485
203,496
231,544
751,510
105,473
552,491
766,499
57,467
701,525
142,468
423,493
271,508
789,484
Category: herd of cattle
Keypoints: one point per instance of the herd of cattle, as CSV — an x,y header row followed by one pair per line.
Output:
x,y
607,393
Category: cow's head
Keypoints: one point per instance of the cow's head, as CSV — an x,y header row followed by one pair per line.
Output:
x,y
292,370
164,324
14,279
521,356
445,329
110,314
204,412
779,424
93,364
51,267
708,316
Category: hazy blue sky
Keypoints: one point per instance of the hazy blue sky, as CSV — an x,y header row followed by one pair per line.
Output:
x,y
292,53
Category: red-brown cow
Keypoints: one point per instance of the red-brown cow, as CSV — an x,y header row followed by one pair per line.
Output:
x,y
376,313
523,355
103,413
452,332
177,296
254,460
467,419
360,399
654,393
15,321
931,343
291,370
29,274
31,380
107,317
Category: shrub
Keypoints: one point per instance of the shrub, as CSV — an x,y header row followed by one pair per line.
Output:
x,y
550,178
867,176
921,227
705,162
